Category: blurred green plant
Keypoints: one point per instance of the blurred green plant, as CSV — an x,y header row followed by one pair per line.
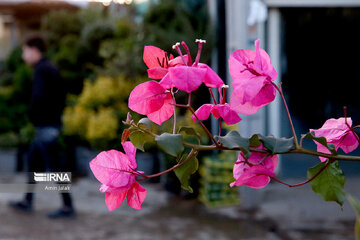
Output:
x,y
92,42
15,90
171,21
96,114
105,47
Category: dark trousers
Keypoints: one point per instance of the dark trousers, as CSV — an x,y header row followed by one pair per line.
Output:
x,y
44,155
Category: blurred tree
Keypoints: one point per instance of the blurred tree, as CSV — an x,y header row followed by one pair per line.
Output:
x,y
106,49
122,54
171,21
15,90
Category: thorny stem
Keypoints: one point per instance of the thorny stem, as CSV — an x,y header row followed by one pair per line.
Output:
x,y
278,88
190,156
307,181
174,102
347,124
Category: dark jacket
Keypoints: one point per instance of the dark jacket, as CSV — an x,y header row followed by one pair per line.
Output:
x,y
48,95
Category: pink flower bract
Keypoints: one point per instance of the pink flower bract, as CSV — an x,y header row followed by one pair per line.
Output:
x,y
253,175
115,170
338,133
252,74
152,99
189,78
220,110
158,63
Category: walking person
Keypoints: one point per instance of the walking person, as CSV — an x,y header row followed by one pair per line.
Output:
x,y
45,110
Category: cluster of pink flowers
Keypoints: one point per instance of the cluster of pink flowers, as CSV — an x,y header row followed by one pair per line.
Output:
x,y
255,171
337,132
252,74
253,88
155,99
116,172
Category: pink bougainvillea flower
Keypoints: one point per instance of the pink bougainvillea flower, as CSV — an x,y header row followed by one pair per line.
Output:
x,y
153,100
158,62
116,171
256,172
189,77
252,75
220,110
338,133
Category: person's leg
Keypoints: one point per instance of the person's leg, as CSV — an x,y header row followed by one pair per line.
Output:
x,y
67,200
36,163
51,154
33,154
32,159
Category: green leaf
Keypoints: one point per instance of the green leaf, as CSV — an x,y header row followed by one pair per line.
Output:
x,y
321,140
355,204
184,172
170,143
234,140
329,184
139,138
190,131
254,140
277,145
145,123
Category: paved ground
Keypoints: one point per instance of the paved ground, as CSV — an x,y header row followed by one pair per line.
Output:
x,y
274,213
283,214
301,214
163,217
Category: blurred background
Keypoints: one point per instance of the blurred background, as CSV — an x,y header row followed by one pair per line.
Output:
x,y
97,45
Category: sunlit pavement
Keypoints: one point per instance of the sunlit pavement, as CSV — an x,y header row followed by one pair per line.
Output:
x,y
283,213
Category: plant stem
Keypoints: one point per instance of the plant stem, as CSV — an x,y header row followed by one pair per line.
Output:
x,y
307,181
294,151
204,127
278,88
174,102
219,127
191,155
212,95
200,122
299,150
350,128
196,148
